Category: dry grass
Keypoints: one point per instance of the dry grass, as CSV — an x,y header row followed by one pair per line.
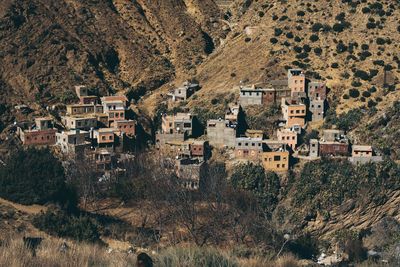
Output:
x,y
13,253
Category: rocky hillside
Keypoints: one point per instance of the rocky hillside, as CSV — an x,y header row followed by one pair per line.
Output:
x,y
348,44
48,46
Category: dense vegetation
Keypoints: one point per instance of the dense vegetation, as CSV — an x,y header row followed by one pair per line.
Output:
x,y
322,184
34,177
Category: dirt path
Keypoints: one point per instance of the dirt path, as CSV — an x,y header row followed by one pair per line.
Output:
x,y
33,209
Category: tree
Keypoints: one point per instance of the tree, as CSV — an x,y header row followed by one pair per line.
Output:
x,y
252,177
33,176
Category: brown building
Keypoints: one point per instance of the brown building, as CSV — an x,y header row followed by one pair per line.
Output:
x,y
329,148
177,124
126,126
287,136
102,160
104,137
115,98
183,93
39,133
80,109
191,173
88,100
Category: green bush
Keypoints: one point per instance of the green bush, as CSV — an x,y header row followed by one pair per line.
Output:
x,y
366,94
34,176
252,177
314,38
354,93
346,96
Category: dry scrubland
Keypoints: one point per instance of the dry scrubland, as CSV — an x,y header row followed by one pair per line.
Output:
x,y
13,253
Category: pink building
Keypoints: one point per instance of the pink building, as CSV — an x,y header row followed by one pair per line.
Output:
x,y
362,151
287,136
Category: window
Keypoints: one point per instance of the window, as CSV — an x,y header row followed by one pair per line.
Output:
x,y
278,165
265,159
257,94
283,165
199,148
270,159
170,124
121,114
48,137
284,158
110,137
295,88
111,115
42,138
130,126
336,148
291,112
240,144
317,94
293,137
277,158
313,145
295,81
319,106
116,115
303,111
103,138
246,144
27,138
287,137
259,144
194,149
312,106
187,125
249,93
124,126
239,152
253,144
297,111
253,153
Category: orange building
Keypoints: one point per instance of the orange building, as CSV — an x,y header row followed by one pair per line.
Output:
x,y
294,112
297,82
276,161
104,137
362,151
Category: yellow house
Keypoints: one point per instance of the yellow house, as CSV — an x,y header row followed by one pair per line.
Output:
x,y
276,161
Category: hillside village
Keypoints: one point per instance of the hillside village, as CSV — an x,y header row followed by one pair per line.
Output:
x,y
99,131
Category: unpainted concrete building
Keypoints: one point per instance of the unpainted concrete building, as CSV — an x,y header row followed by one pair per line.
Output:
x,y
221,133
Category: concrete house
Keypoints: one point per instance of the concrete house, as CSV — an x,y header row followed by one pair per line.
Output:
x,y
250,95
317,109
248,148
82,122
232,114
314,148
102,160
81,90
122,98
72,142
276,159
39,133
316,91
181,123
191,173
221,133
183,93
287,136
294,112
363,154
297,82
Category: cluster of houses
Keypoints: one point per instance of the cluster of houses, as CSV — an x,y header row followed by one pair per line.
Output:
x,y
93,128
98,128
300,100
